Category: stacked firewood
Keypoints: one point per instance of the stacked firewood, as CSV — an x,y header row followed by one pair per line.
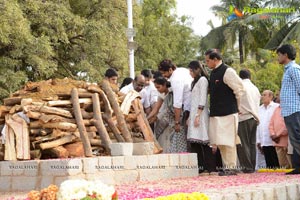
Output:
x,y
66,118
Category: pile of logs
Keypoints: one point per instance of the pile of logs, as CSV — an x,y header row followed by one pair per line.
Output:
x,y
63,118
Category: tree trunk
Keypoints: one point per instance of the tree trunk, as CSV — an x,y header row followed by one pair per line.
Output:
x,y
80,124
241,47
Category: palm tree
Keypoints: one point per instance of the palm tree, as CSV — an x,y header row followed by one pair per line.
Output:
x,y
289,30
225,35
250,31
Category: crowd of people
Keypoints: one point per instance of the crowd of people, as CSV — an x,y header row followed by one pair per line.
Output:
x,y
222,116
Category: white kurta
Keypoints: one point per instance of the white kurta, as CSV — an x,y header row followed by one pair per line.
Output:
x,y
224,130
199,97
263,133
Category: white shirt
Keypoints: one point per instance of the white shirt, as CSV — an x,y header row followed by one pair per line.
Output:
x,y
249,101
152,93
143,94
127,88
181,81
263,133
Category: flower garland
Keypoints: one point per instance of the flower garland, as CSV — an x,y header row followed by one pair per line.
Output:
x,y
76,190
263,170
85,190
182,196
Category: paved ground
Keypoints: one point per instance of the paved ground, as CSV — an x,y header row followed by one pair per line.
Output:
x,y
210,184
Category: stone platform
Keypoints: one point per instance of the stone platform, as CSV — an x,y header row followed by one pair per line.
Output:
x,y
17,176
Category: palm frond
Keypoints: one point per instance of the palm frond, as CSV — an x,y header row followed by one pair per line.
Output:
x,y
215,38
284,34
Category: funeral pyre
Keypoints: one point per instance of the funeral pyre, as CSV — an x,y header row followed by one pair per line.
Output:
x,y
63,118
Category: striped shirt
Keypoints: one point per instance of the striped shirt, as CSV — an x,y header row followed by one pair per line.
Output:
x,y
290,89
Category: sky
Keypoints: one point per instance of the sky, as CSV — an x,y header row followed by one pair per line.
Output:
x,y
200,11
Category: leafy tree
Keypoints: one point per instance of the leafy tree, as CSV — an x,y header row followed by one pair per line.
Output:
x,y
288,31
49,39
250,31
81,39
161,35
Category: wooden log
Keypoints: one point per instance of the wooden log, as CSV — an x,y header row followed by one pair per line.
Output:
x,y
90,129
68,102
15,109
94,89
10,150
134,126
97,142
48,110
67,96
12,101
144,125
107,117
107,107
44,118
35,154
4,110
81,90
91,135
80,124
116,108
33,115
56,133
98,122
75,149
59,152
85,94
60,125
52,98
39,131
138,140
55,143
113,128
26,101
86,115
35,141
20,128
131,117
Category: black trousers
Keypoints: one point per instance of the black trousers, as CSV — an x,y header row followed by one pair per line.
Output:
x,y
271,157
206,159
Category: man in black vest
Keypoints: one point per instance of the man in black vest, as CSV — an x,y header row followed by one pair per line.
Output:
x,y
226,89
